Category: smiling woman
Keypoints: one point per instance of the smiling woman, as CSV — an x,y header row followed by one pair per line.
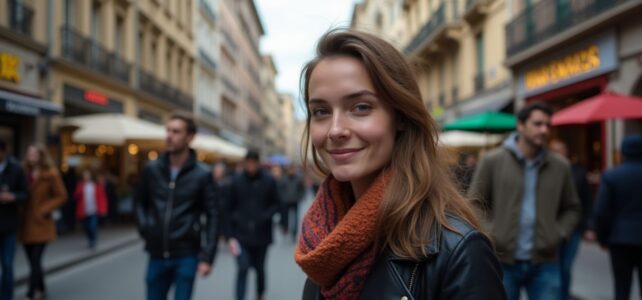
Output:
x,y
388,222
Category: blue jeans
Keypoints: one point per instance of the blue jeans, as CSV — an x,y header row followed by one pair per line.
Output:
x,y
162,272
90,223
567,256
7,252
542,281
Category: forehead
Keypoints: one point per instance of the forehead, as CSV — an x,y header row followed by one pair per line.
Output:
x,y
338,75
538,116
176,124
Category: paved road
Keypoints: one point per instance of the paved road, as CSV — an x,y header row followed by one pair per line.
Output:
x,y
120,276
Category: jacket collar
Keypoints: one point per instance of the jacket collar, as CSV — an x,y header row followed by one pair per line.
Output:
x,y
189,163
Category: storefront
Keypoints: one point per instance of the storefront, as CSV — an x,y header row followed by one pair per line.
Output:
x,y
24,112
569,76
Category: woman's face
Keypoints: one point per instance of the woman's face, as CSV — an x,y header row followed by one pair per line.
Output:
x,y
352,129
33,156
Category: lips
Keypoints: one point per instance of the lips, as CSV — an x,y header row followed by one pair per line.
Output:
x,y
343,154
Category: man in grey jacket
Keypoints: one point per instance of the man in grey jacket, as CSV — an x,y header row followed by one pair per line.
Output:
x,y
530,205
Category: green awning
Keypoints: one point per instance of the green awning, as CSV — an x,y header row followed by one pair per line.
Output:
x,y
484,122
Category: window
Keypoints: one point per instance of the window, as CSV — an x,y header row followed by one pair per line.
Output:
x,y
119,36
70,13
152,57
479,47
95,19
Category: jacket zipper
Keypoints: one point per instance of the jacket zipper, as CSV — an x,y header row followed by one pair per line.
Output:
x,y
168,215
412,277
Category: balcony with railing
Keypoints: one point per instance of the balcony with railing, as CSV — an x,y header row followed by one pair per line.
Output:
x,y
90,53
479,83
20,18
444,18
163,91
548,18
476,10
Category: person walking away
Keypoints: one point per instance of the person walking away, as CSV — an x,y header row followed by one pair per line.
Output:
x,y
91,203
293,193
253,203
13,193
37,227
108,182
569,249
174,192
618,216
222,183
388,221
528,199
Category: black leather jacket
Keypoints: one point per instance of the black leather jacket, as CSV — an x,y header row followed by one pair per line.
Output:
x,y
460,266
169,212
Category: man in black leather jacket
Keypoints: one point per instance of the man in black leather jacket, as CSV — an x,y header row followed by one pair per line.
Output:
x,y
175,191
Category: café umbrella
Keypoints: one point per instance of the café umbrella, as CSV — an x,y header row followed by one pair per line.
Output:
x,y
605,106
484,122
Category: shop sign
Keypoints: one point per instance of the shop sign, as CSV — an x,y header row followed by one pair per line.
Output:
x,y
9,67
585,60
96,98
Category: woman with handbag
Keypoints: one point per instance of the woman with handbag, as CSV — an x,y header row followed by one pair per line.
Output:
x,y
388,221
47,192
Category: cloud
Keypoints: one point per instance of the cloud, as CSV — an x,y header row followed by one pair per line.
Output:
x,y
292,30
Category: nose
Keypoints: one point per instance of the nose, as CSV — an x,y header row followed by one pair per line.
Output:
x,y
338,129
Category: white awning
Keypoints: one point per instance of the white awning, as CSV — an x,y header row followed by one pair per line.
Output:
x,y
113,129
117,129
457,138
214,144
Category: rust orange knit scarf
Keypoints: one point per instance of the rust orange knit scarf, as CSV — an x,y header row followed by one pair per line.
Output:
x,y
336,245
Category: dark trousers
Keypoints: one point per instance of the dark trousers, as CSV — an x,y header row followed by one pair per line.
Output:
x,y
625,259
163,272
34,253
90,224
251,256
290,218
7,253
567,256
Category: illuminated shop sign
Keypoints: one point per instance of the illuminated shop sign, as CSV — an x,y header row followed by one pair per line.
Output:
x,y
96,98
576,63
573,64
9,67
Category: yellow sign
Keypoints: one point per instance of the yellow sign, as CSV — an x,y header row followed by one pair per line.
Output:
x,y
9,67
576,63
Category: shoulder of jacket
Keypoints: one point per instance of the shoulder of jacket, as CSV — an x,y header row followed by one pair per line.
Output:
x,y
496,154
202,167
460,232
558,160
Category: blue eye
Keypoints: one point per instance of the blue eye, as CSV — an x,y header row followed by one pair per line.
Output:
x,y
319,112
362,108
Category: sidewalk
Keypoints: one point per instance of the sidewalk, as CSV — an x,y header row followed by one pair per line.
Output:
x,y
71,249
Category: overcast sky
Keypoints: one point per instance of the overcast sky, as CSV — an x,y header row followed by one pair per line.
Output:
x,y
292,28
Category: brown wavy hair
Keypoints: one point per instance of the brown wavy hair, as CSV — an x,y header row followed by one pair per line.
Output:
x,y
45,163
421,192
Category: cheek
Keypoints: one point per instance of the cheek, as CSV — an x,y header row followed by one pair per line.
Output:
x,y
317,135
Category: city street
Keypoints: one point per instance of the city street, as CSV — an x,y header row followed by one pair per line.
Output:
x,y
120,275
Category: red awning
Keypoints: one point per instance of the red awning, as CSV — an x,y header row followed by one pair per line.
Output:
x,y
605,106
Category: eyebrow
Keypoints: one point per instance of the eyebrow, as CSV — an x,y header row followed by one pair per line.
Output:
x,y
347,97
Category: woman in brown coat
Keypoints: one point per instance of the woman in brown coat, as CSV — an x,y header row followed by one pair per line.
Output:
x,y
47,192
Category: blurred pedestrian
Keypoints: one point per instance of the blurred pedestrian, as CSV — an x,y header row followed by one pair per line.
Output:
x,y
253,203
109,183
291,193
13,193
70,178
37,227
465,169
91,203
388,221
174,192
618,216
528,197
222,182
570,247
